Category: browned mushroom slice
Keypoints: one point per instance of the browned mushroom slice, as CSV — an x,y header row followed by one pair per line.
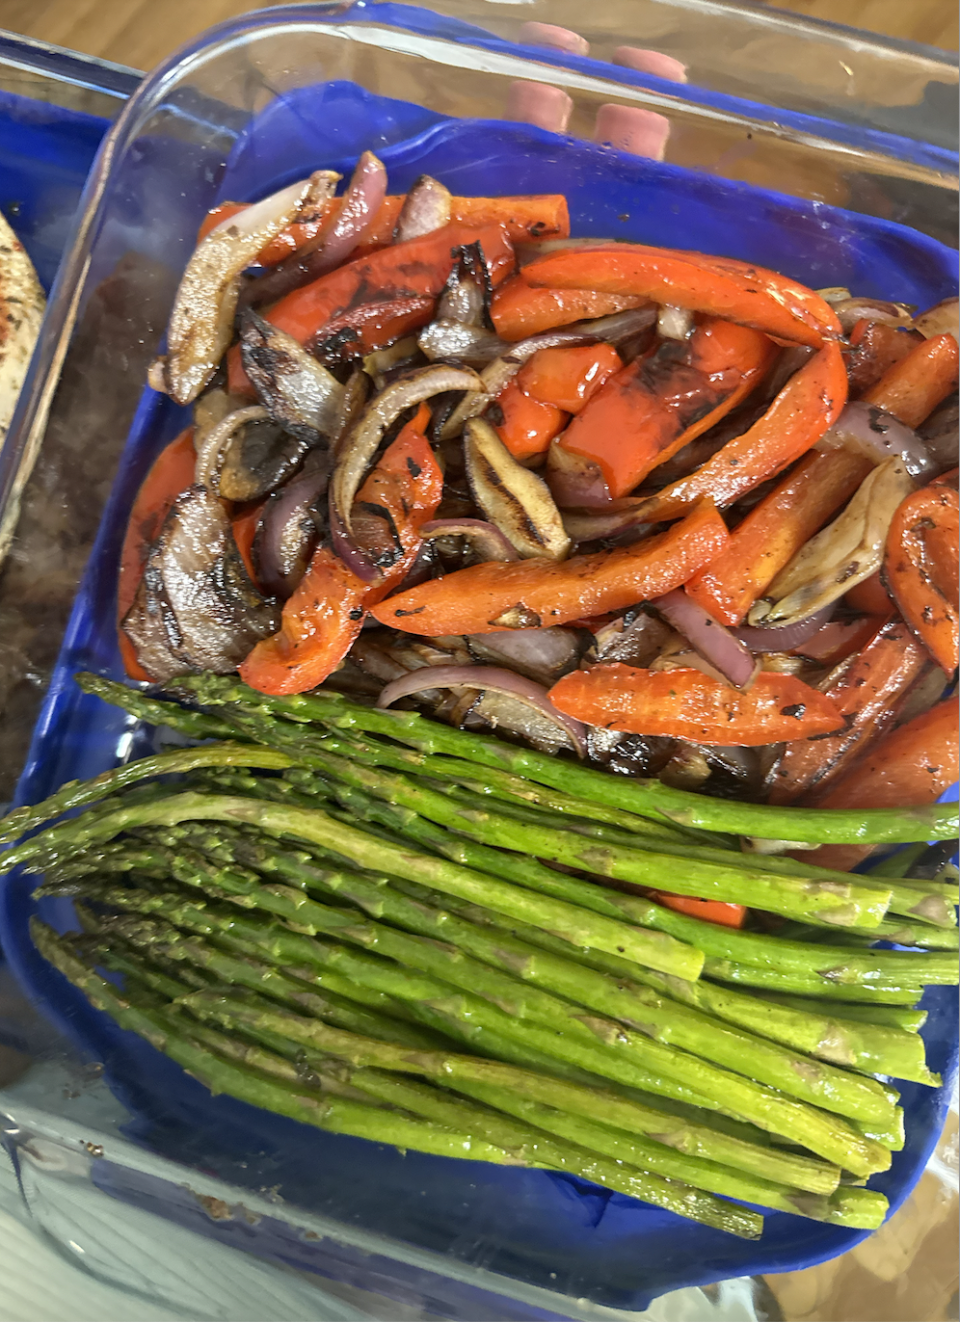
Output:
x,y
196,608
201,324
296,390
514,499
259,457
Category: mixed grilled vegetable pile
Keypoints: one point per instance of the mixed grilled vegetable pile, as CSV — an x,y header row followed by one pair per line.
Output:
x,y
669,512
667,523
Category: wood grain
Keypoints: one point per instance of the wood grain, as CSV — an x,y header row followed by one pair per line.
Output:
x,y
142,32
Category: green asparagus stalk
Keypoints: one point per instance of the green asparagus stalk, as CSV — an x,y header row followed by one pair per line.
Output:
x,y
465,1072
815,963
335,998
843,903
495,980
895,992
888,1017
898,931
80,793
717,1179
828,1136
645,798
332,1113
154,711
522,1142
425,1100
581,927
807,1026
698,1141
499,784
922,902
651,1007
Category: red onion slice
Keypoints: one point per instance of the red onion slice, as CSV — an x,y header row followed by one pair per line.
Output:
x,y
486,538
576,482
357,561
486,677
878,436
595,526
785,639
852,310
361,202
426,208
716,644
288,533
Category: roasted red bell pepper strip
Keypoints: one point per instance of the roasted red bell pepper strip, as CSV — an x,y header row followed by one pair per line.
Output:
x,y
687,704
519,311
493,597
913,387
866,694
569,378
323,617
870,596
709,911
524,218
653,407
874,348
774,531
171,473
388,293
719,286
920,569
528,425
808,404
912,765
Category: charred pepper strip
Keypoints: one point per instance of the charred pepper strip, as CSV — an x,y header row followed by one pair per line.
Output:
x,y
920,569
719,286
805,408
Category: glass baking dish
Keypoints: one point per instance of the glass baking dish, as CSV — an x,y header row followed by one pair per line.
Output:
x,y
205,127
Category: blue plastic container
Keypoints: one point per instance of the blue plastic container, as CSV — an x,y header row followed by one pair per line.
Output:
x,y
545,1229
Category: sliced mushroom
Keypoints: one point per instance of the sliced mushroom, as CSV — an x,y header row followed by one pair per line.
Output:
x,y
845,553
941,319
201,324
258,458
298,392
636,641
196,608
212,407
211,441
514,499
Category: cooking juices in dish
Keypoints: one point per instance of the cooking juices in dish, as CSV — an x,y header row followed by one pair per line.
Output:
x,y
667,521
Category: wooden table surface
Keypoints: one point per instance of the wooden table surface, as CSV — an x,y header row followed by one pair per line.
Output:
x,y
141,32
